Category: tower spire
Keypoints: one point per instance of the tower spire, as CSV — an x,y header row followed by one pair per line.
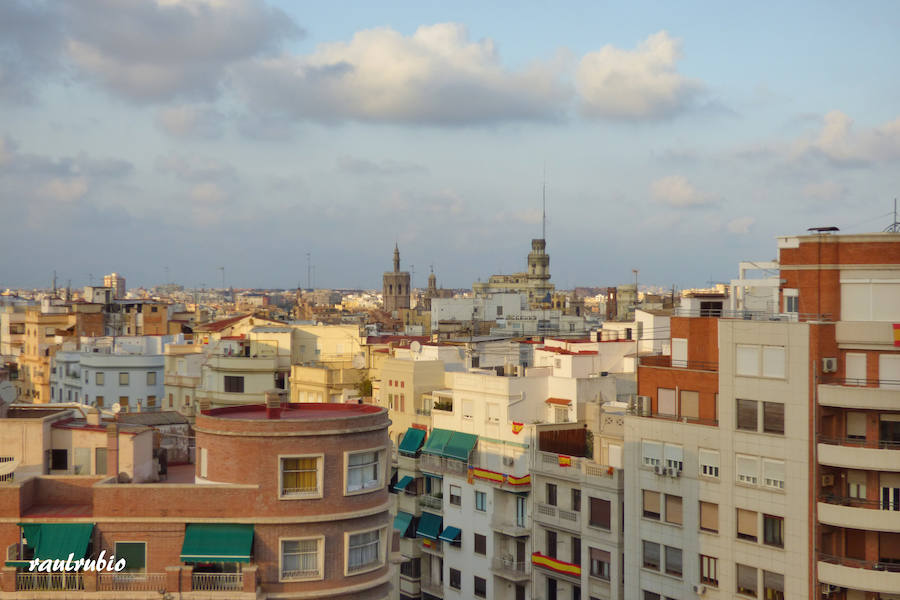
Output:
x,y
396,258
544,206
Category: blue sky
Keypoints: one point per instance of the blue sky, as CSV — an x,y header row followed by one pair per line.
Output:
x,y
676,138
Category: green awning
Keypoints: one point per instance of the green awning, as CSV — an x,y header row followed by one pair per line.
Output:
x,y
401,485
402,521
412,441
430,526
55,541
217,542
450,534
436,441
460,445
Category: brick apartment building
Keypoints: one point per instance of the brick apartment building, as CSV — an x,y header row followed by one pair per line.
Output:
x,y
284,501
763,455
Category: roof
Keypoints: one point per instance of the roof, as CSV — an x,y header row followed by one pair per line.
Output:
x,y
559,401
557,350
163,417
302,411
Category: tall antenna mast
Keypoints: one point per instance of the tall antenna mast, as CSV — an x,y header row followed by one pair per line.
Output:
x,y
544,205
895,226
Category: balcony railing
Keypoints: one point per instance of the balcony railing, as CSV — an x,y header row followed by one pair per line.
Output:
x,y
49,582
752,315
431,502
859,443
433,587
217,582
666,361
860,382
439,464
510,565
131,582
856,563
858,502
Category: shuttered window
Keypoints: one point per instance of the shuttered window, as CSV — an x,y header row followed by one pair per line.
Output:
x,y
673,509
599,513
651,504
746,415
709,516
773,417
747,525
690,404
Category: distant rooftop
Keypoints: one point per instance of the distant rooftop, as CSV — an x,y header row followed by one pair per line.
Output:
x,y
302,411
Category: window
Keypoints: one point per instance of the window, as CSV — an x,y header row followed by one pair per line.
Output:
x,y
746,415
773,361
651,454
151,401
480,587
576,589
171,401
709,463
576,550
455,495
747,525
99,378
499,311
82,462
364,551
673,561
709,570
773,473
123,378
301,559
151,377
856,484
551,494
551,589
773,586
791,301
600,563
576,500
59,460
674,457
98,401
856,426
746,580
135,555
234,384
773,417
665,402
747,469
300,476
411,568
480,544
651,555
651,505
204,461
521,514
551,543
363,470
560,414
455,579
747,359
100,461
709,517
480,501
651,595
773,531
599,513
890,496
673,509
468,409
690,404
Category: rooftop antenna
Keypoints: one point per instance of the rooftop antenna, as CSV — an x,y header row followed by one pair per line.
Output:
x,y
895,226
544,205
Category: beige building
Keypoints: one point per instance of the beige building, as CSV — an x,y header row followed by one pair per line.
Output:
x,y
535,282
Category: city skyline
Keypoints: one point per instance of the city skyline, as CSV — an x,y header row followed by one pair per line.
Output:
x,y
191,135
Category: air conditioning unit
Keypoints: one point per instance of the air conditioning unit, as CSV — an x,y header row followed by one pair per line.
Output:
x,y
699,589
827,480
508,461
829,365
645,406
673,472
659,470
830,588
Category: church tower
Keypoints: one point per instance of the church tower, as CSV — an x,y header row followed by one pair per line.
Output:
x,y
395,286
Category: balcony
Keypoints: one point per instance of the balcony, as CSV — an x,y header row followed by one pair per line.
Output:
x,y
242,363
508,527
432,502
577,469
557,517
862,394
131,582
859,574
753,315
866,333
857,514
859,454
666,362
49,582
509,569
182,380
217,582
439,464
432,587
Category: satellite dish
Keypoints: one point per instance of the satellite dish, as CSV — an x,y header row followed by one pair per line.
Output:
x,y
415,347
359,361
8,392
116,408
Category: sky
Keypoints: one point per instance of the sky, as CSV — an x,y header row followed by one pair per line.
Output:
x,y
163,139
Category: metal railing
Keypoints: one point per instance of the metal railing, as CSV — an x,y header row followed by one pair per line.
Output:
x,y
439,464
51,582
858,563
510,564
131,582
425,411
832,379
431,502
858,502
665,361
858,442
217,582
751,315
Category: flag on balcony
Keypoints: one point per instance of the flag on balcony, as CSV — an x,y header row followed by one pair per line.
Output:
x,y
517,427
565,461
524,480
897,334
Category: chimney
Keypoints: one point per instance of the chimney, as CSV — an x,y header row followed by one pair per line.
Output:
x,y
273,403
93,416
112,449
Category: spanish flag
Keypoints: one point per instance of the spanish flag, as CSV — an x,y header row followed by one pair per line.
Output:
x,y
565,461
897,334
524,480
517,427
427,543
554,564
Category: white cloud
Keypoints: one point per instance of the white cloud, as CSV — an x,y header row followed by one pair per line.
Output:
x,y
436,75
635,84
64,189
6,151
741,225
191,121
677,191
825,190
843,145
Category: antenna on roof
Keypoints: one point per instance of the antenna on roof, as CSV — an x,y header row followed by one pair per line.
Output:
x,y
895,226
544,205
